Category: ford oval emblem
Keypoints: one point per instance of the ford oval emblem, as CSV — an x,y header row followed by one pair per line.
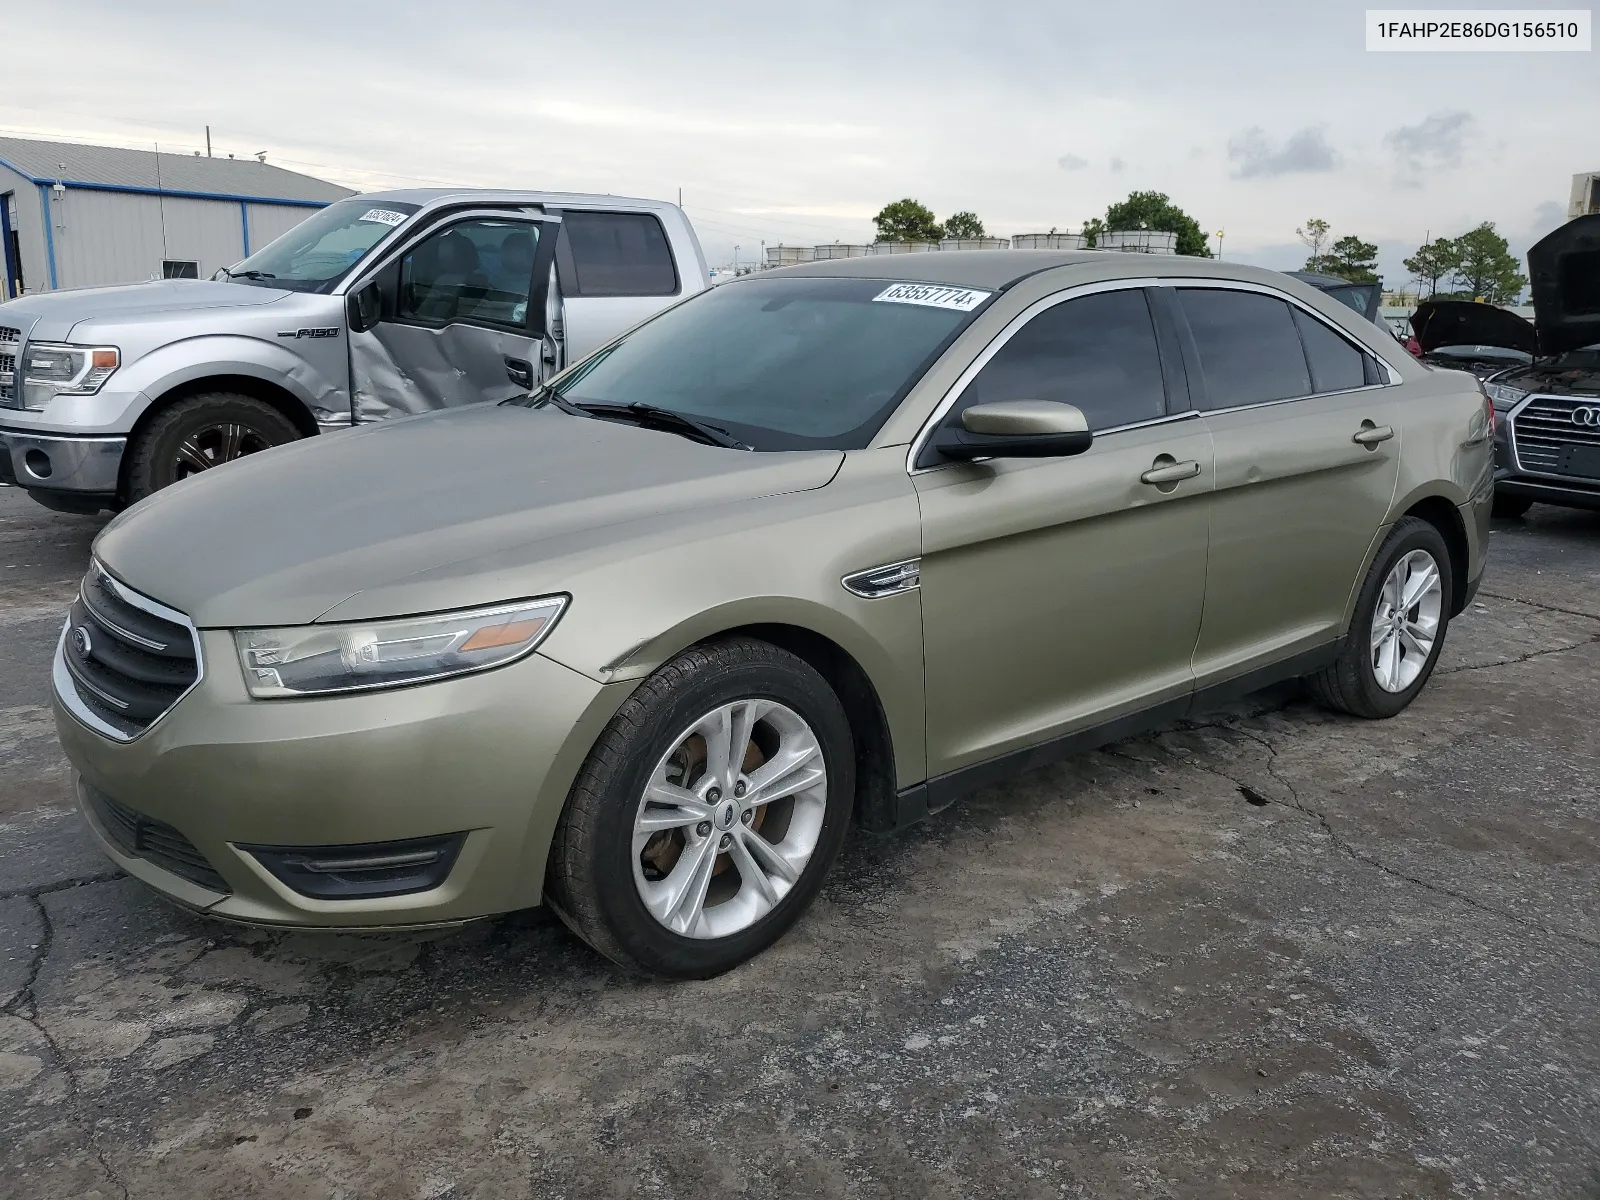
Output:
x,y
80,641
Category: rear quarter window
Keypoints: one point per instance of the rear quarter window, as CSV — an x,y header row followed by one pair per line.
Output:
x,y
617,254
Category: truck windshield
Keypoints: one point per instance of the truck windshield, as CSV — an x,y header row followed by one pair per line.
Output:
x,y
320,251
800,363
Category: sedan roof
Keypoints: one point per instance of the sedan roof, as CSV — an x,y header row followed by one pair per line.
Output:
x,y
1002,268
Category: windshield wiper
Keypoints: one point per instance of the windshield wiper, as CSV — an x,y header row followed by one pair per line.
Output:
x,y
250,274
546,394
659,418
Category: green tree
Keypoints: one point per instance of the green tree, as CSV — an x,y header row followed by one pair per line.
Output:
x,y
1487,268
1432,262
1092,229
1154,210
963,225
1314,233
1351,258
907,221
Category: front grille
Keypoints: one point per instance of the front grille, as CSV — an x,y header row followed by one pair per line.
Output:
x,y
9,341
126,660
154,841
1546,436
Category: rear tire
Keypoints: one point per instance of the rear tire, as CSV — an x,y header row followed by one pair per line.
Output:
x,y
198,433
1394,641
1511,506
715,885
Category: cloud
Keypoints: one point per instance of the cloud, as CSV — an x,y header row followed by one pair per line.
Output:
x,y
1437,141
1117,164
1255,156
1071,162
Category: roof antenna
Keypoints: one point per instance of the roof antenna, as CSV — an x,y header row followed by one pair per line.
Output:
x,y
161,203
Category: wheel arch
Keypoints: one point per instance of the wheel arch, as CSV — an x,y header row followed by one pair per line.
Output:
x,y
282,399
1446,518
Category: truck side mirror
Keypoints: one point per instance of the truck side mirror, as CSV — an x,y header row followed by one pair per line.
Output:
x,y
364,308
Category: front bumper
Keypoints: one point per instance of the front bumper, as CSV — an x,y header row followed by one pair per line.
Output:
x,y
47,462
491,756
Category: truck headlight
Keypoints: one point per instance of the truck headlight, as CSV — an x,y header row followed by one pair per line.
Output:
x,y
51,369
312,660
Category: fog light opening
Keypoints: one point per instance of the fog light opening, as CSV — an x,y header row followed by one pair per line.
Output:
x,y
38,464
367,869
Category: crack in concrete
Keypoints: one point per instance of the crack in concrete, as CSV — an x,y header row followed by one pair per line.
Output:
x,y
1571,612
1373,861
25,1007
62,885
1532,654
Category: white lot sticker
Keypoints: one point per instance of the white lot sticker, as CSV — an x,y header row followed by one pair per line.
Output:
x,y
933,295
383,216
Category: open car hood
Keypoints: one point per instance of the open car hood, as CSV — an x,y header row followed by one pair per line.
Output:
x,y
1564,270
1468,323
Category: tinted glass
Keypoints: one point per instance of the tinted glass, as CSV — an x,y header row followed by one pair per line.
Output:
x,y
1335,363
1249,349
620,254
318,252
1097,352
782,364
478,271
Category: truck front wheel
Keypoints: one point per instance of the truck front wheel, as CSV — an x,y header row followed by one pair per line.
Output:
x,y
199,433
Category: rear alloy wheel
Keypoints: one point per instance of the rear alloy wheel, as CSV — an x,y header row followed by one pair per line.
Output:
x,y
1399,627
708,813
199,433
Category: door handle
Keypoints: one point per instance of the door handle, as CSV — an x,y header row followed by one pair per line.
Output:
x,y
520,372
1170,472
1371,435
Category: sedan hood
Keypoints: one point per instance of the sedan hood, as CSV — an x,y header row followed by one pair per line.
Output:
x,y
1564,272
283,537
58,312
1467,323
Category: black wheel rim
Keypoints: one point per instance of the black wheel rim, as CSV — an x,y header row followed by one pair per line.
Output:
x,y
212,445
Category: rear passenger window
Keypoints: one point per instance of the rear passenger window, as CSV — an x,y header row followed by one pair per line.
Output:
x,y
1249,348
1335,364
1097,352
619,254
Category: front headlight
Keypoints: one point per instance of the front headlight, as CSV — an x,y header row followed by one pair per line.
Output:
x,y
51,369
1503,397
312,660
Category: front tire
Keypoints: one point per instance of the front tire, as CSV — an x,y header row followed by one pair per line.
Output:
x,y
1399,626
708,813
199,433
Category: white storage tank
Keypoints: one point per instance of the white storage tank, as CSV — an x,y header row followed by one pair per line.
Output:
x,y
788,256
1138,241
838,250
901,247
982,243
1047,241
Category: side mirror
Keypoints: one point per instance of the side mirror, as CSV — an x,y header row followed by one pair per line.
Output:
x,y
1016,429
363,309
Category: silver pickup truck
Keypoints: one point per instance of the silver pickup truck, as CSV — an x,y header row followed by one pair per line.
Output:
x,y
382,305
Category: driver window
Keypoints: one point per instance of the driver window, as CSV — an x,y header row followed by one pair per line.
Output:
x,y
1097,352
478,271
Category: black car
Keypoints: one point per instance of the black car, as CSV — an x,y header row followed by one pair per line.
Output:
x,y
1547,431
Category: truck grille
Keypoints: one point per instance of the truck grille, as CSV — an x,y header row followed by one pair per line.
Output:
x,y
1548,439
9,339
124,660
154,841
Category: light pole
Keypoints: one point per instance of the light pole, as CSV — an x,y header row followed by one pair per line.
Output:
x,y
1219,245
736,260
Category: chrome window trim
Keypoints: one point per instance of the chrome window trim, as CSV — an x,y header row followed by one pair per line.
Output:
x,y
998,343
948,400
1244,285
65,688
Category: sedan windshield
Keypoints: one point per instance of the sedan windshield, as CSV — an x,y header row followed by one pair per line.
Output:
x,y
796,363
318,252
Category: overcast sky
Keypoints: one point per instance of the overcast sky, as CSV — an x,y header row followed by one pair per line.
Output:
x,y
796,122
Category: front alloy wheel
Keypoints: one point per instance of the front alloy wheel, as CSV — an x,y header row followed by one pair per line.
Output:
x,y
708,812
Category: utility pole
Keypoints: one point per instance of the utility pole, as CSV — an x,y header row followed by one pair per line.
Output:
x,y
680,197
1219,244
208,141
736,260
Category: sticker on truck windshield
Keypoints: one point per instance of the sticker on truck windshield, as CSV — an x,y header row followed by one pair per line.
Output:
x,y
932,295
383,216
